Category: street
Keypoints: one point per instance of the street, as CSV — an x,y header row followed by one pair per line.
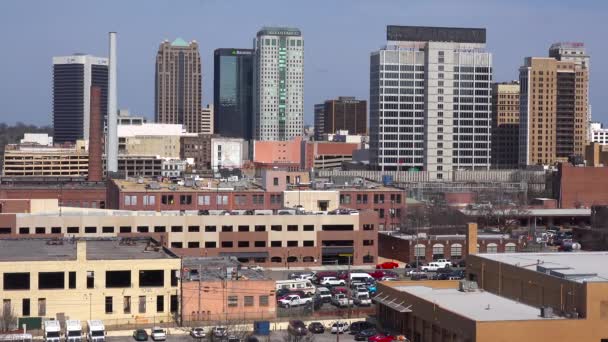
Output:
x,y
276,336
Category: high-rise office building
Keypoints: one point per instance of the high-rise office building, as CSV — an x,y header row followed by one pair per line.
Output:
x,y
233,92
319,121
347,114
73,77
278,84
574,52
505,125
430,94
553,110
178,84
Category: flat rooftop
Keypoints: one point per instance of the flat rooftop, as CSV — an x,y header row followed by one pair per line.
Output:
x,y
206,184
403,236
578,266
477,305
218,268
65,249
538,212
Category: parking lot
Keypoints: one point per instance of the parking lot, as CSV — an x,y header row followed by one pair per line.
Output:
x,y
275,336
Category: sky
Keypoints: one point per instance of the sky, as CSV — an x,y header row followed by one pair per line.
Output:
x,y
339,37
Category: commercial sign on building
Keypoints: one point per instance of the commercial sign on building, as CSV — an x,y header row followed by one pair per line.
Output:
x,y
435,34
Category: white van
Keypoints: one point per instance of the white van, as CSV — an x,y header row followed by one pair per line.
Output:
x,y
304,285
361,277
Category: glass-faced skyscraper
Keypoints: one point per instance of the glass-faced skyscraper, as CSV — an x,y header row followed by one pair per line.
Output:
x,y
233,92
430,100
73,77
279,84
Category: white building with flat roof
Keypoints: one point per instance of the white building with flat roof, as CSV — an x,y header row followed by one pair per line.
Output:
x,y
597,133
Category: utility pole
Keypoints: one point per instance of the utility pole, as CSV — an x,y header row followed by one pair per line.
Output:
x,y
198,313
349,290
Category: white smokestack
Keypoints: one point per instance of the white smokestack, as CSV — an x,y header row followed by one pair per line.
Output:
x,y
112,144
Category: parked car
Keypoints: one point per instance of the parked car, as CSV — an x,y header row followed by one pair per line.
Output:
x,y
419,276
316,328
256,268
389,278
294,300
289,293
389,265
359,326
332,281
140,335
158,334
381,338
297,328
339,327
219,331
431,267
324,294
198,332
322,274
379,274
363,335
443,262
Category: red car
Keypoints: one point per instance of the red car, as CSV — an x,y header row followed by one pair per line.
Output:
x,y
379,274
381,338
389,265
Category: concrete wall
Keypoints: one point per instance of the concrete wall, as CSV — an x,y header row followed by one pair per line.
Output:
x,y
310,199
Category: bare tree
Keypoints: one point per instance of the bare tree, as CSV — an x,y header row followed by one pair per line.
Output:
x,y
500,210
288,337
238,329
8,319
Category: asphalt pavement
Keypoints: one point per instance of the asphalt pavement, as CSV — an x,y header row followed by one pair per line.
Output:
x,y
275,336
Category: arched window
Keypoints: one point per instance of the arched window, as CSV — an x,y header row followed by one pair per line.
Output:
x,y
437,251
456,251
308,259
510,247
492,248
292,259
420,251
276,259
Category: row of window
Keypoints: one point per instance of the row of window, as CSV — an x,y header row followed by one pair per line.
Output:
x,y
174,229
113,279
204,200
247,244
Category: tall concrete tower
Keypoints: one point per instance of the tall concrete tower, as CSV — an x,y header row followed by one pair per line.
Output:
x,y
112,143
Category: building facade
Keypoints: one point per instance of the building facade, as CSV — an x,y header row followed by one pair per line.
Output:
x,y
278,84
178,92
90,279
430,100
199,149
505,125
73,77
553,111
42,161
598,134
227,153
319,124
232,93
264,239
207,120
346,113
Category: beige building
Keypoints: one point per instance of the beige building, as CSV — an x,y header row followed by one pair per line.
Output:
x,y
596,154
119,281
312,200
151,139
35,160
263,239
553,116
178,84
505,125
206,120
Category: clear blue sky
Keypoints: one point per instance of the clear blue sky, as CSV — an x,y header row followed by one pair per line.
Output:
x,y
339,35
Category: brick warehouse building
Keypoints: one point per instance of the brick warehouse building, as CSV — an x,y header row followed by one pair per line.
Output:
x,y
264,239
73,193
409,248
581,186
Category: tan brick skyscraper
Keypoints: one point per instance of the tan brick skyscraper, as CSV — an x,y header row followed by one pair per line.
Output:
x,y
553,116
178,91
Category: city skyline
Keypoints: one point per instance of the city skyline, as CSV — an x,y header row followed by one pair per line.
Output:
x,y
344,72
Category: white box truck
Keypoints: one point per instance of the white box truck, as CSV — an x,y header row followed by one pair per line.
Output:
x,y
52,331
96,331
73,331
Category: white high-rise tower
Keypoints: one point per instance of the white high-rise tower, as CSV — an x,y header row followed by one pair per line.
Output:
x,y
278,84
